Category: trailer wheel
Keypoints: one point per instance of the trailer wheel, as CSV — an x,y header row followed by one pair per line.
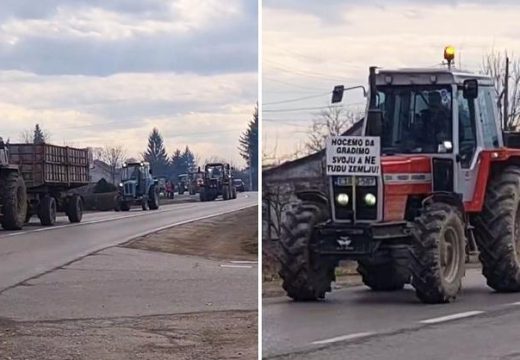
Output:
x,y
498,231
153,197
47,211
14,197
437,254
75,209
306,276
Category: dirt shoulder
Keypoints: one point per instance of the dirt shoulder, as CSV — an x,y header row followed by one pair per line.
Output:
x,y
231,236
214,335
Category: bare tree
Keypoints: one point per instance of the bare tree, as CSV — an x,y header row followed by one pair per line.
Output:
x,y
494,64
114,156
333,120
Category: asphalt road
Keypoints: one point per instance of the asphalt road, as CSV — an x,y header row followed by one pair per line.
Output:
x,y
37,250
356,323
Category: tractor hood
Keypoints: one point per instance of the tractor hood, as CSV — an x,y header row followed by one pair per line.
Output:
x,y
404,176
406,165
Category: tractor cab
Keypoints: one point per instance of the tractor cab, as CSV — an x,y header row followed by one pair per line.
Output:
x,y
215,171
134,176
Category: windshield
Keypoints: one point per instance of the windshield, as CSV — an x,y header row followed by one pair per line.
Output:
x,y
416,119
215,171
130,173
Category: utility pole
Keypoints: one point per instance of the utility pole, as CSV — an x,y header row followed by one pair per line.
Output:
x,y
506,95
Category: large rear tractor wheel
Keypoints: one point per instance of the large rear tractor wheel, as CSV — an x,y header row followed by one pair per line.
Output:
x,y
14,201
437,254
153,198
75,209
386,276
498,231
47,211
305,275
202,195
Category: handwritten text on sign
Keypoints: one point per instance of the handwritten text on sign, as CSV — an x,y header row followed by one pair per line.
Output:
x,y
353,155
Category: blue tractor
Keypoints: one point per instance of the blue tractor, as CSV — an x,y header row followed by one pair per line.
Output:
x,y
137,187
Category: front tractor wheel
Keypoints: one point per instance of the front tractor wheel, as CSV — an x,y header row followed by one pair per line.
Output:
x,y
305,276
437,254
498,231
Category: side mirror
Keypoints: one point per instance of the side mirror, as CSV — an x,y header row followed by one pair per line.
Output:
x,y
374,122
470,89
337,93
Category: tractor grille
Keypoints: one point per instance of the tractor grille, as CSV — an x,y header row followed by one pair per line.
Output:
x,y
129,189
356,209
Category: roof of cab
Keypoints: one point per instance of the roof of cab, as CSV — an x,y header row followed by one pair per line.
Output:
x,y
454,75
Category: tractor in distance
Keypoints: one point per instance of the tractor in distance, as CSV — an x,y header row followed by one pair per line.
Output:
x,y
434,177
182,183
218,181
137,187
196,182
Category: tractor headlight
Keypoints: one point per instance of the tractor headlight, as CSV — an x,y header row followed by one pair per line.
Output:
x,y
370,199
342,199
120,184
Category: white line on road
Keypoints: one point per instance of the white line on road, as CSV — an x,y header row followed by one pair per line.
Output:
x,y
514,304
343,338
236,266
451,317
243,262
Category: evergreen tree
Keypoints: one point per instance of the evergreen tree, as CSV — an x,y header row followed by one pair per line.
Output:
x,y
156,154
188,162
248,147
175,164
39,137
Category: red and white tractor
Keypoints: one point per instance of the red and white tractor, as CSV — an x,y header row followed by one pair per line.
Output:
x,y
433,179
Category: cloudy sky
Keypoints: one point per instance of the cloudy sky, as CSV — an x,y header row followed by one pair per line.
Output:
x,y
310,46
97,72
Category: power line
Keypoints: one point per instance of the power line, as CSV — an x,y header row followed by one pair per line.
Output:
x,y
297,99
312,108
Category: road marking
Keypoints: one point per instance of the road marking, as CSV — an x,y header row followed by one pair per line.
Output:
x,y
343,338
451,317
236,266
243,262
514,304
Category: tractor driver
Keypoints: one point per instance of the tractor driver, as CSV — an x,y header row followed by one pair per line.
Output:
x,y
440,116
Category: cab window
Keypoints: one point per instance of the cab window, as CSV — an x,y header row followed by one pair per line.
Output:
x,y
467,133
487,117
